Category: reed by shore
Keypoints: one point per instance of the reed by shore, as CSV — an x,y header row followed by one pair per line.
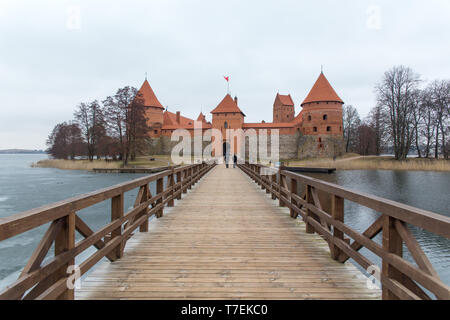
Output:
x,y
375,163
140,162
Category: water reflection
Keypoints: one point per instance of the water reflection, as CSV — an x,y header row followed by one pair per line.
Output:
x,y
425,190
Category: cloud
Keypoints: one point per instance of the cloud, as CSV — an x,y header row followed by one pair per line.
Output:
x,y
187,46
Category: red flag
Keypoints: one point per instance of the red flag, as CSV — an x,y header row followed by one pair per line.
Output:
x,y
227,78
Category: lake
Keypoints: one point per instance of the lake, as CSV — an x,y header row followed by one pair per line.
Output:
x,y
23,188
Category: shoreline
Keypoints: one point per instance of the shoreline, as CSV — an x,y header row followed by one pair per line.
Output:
x,y
102,165
375,163
347,162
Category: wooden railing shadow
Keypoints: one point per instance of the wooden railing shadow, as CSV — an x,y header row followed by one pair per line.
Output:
x,y
49,280
322,208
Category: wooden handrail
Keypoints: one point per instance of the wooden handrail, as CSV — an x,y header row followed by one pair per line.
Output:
x,y
322,208
50,280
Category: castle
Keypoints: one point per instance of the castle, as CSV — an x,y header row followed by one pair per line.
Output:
x,y
317,131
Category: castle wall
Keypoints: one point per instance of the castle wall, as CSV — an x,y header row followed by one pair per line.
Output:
x,y
292,146
320,146
313,122
283,114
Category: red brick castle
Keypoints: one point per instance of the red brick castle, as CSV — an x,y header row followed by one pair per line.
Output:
x,y
315,132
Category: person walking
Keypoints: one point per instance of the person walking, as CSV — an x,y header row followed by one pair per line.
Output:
x,y
234,161
227,158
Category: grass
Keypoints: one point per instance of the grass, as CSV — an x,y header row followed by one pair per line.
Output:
x,y
355,162
350,161
140,162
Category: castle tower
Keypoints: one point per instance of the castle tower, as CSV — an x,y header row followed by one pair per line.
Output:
x,y
322,110
227,115
154,110
283,109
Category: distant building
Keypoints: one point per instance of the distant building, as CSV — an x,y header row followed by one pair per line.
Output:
x,y
315,132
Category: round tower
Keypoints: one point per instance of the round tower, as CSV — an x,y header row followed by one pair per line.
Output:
x,y
322,110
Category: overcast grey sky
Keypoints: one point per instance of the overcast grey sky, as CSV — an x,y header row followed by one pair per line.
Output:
x,y
55,54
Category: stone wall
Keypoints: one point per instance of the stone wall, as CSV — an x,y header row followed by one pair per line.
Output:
x,y
322,146
294,146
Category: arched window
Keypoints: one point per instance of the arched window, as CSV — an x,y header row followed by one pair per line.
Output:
x,y
328,129
325,117
225,125
315,129
309,118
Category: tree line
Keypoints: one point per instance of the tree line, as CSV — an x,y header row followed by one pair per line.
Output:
x,y
407,117
115,128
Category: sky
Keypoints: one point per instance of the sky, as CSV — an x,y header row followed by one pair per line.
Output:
x,y
56,54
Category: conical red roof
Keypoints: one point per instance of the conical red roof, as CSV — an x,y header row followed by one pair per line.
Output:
x,y
149,97
322,91
227,105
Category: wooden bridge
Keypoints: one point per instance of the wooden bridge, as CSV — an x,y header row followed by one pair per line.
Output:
x,y
228,238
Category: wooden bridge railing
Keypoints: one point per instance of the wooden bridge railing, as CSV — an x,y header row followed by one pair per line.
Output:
x,y
50,280
322,208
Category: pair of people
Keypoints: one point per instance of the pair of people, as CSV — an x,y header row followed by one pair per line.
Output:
x,y
234,160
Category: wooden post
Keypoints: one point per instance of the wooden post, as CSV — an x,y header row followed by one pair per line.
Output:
x,y
190,178
171,183
280,184
392,243
294,214
273,185
64,241
309,199
181,186
144,226
185,180
261,178
117,213
159,191
337,213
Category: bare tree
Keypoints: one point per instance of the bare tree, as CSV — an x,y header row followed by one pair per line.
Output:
x,y
417,118
125,114
439,91
366,144
91,121
65,141
377,122
351,123
395,95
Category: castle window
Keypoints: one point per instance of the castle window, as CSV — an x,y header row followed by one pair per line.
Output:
x,y
325,117
225,125
155,131
315,129
328,129
309,118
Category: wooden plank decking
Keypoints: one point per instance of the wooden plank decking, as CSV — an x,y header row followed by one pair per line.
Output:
x,y
226,240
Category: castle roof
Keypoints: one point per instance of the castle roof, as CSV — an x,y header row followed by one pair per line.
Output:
x,y
201,117
149,97
284,100
170,118
170,122
322,91
227,105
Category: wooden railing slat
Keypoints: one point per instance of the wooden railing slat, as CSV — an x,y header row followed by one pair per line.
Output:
x,y
399,277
